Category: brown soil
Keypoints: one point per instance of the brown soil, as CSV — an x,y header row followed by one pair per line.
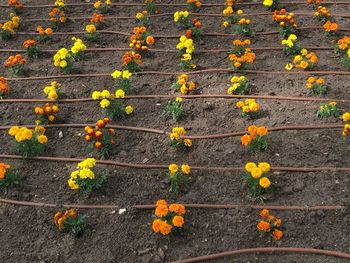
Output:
x,y
29,235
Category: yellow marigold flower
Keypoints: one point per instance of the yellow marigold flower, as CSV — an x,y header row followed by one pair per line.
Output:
x,y
225,23
129,109
264,182
256,172
173,168
185,168
96,95
119,94
53,95
240,12
73,184
126,74
139,15
42,139
333,103
265,167
105,103
289,66
74,175
268,2
346,116
188,142
13,130
250,166
86,173
116,74
40,129
320,81
178,99
90,28
87,163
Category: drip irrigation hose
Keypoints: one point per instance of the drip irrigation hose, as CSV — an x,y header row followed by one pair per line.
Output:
x,y
189,97
164,167
195,206
266,250
165,73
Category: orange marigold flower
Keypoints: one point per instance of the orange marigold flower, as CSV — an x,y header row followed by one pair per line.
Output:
x,y
29,43
161,202
246,140
161,210
4,88
264,226
150,40
262,131
178,221
264,213
156,225
177,208
277,234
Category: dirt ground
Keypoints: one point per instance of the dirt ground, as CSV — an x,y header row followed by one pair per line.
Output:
x,y
29,235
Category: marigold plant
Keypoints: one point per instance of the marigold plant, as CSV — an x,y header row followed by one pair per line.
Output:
x,y
8,177
143,18
16,64
29,142
122,79
53,91
250,108
63,59
316,85
241,56
306,60
255,140
177,140
286,21
70,221
44,34
141,40
4,87
271,4
329,110
183,85
112,104
98,20
186,48
291,45
240,85
103,6
343,47
330,28
151,7
231,16
178,178
270,225
182,17
7,30
132,61
47,113
57,17
346,133
257,178
32,50
86,178
78,48
15,5
174,109
100,137
322,14
314,3
170,218
194,4
244,28
91,34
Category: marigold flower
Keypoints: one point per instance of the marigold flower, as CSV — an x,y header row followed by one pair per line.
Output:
x,y
264,182
129,109
4,88
173,168
346,116
178,221
265,167
264,226
256,172
277,234
264,213
178,209
185,168
250,166
42,139
246,140
161,202
161,210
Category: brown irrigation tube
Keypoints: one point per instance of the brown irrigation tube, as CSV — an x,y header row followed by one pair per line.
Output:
x,y
169,97
179,5
210,70
177,36
203,137
266,250
171,14
107,49
196,206
164,167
